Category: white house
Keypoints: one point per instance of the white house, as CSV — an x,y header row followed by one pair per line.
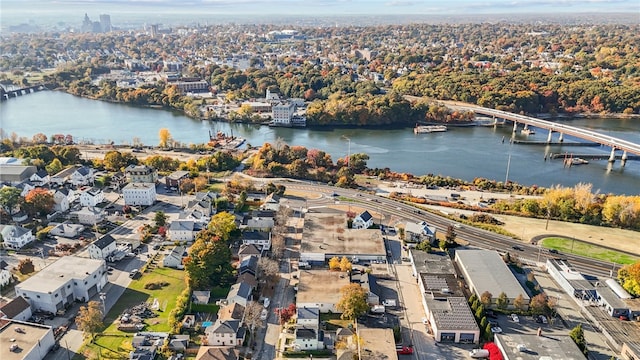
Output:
x,y
25,187
63,282
41,177
309,336
363,220
89,215
183,230
5,274
143,194
61,200
260,239
174,258
16,237
225,333
16,309
102,248
91,197
282,113
418,232
271,202
82,176
66,229
239,293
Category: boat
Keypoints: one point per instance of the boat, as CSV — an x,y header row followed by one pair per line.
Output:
x,y
527,131
425,129
579,161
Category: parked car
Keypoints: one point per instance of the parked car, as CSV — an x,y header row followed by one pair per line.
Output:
x,y
266,302
553,251
496,330
479,353
133,273
264,314
491,314
404,350
515,318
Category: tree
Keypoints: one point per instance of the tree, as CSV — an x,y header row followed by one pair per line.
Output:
x,y
286,313
538,304
208,262
577,334
160,218
334,263
345,264
473,298
629,277
518,302
353,302
89,319
424,246
9,198
451,236
39,201
267,268
25,266
222,224
485,299
54,167
165,137
480,312
502,301
252,313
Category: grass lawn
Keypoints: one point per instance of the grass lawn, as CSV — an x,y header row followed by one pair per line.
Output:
x,y
588,250
114,343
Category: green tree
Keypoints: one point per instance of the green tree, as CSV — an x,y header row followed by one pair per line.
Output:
x,y
9,198
473,298
54,167
222,225
89,319
488,334
160,218
353,302
502,301
209,261
424,246
483,322
577,334
480,312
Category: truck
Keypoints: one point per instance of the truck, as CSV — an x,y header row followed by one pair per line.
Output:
x,y
479,353
389,303
377,309
304,265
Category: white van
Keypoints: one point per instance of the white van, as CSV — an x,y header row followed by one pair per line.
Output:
x,y
479,353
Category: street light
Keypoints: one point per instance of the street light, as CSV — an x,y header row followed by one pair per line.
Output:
x,y
103,297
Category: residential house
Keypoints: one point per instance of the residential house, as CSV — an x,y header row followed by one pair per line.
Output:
x,y
16,237
201,208
141,174
66,229
16,309
246,250
89,215
102,248
183,230
62,283
5,275
225,333
25,187
118,180
217,353
248,270
136,194
82,175
271,202
261,239
146,345
308,316
233,311
91,197
200,296
252,223
239,293
175,257
367,282
363,220
308,338
174,179
418,232
41,177
63,197
179,342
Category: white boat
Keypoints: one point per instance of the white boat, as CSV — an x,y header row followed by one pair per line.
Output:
x,y
579,161
425,129
527,131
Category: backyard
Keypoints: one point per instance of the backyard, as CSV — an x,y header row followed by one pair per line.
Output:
x,y
582,248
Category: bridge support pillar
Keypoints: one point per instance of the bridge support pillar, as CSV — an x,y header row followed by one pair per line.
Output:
x,y
561,137
612,157
624,158
515,126
549,136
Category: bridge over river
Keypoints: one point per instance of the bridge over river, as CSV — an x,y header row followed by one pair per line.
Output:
x,y
9,91
616,144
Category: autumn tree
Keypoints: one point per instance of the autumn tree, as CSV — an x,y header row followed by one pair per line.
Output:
x,y
268,268
286,313
345,264
25,266
502,301
89,319
222,224
353,302
165,137
251,316
629,277
208,262
538,304
9,198
485,299
39,201
334,263
54,167
518,302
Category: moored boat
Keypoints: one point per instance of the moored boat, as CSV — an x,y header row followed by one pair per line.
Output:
x,y
527,131
425,129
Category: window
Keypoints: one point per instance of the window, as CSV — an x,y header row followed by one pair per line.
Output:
x,y
56,295
38,296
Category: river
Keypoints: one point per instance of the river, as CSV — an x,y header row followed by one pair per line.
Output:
x,y
463,153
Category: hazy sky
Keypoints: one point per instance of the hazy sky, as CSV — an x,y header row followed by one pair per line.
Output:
x,y
20,8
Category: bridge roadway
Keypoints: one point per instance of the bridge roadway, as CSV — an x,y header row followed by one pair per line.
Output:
x,y
476,237
9,91
593,136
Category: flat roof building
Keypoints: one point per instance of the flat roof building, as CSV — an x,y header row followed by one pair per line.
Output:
x,y
377,344
451,320
533,347
15,174
484,270
24,341
326,235
320,289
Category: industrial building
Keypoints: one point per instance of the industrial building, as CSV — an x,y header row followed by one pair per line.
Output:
x,y
24,341
536,347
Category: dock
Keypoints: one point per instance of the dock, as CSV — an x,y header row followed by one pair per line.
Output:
x,y
557,143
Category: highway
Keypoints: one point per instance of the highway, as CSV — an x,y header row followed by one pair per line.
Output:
x,y
476,237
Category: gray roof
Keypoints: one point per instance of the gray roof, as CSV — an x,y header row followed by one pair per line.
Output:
x,y
242,290
255,235
42,173
432,263
225,327
610,297
551,346
176,175
248,264
16,169
452,314
181,225
84,171
419,228
365,216
305,313
486,270
306,333
249,249
12,231
104,241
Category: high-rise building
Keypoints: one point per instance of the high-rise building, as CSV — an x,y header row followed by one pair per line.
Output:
x,y
105,22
